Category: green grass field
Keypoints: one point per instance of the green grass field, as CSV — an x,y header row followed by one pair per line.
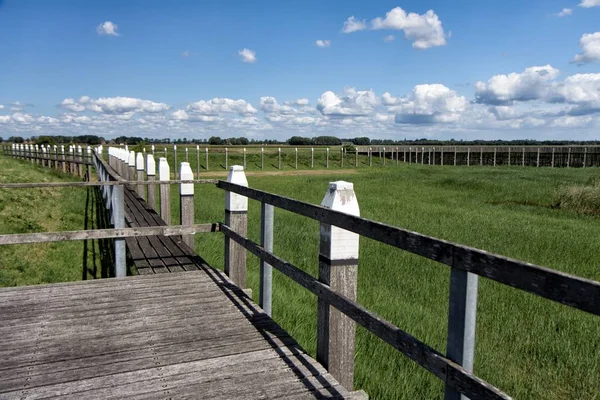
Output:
x,y
528,346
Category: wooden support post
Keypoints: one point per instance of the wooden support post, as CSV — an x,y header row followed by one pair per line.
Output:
x,y
186,201
80,160
495,150
441,156
197,162
370,156
226,158
538,158
236,217
422,155
462,312
118,213
342,157
327,158
356,157
262,158
523,162
552,162
569,158
455,152
245,158
383,158
279,158
509,156
338,268
267,216
130,175
585,156
151,176
164,174
139,166
296,156
312,157
481,156
468,156
206,156
71,159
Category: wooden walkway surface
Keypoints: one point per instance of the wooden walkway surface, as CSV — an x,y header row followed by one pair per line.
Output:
x,y
185,335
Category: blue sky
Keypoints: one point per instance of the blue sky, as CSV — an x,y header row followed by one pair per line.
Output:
x,y
406,69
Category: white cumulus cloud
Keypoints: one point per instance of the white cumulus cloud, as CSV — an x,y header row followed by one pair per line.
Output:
x,y
429,103
219,105
113,105
590,48
389,38
530,84
354,25
323,43
107,28
1,107
248,56
565,12
424,30
589,3
351,102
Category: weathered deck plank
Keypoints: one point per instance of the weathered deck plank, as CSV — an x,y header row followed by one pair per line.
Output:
x,y
186,335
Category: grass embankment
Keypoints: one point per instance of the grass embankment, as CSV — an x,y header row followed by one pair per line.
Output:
x,y
44,210
528,346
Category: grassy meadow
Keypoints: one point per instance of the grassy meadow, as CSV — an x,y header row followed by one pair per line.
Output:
x,y
528,346
45,210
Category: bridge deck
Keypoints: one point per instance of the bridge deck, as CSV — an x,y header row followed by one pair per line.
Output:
x,y
186,335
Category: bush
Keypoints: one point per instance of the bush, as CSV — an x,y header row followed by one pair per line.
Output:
x,y
581,199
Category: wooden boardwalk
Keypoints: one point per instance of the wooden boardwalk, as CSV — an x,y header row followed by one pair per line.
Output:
x,y
154,254
185,335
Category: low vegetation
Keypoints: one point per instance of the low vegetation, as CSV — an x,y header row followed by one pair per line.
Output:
x,y
584,199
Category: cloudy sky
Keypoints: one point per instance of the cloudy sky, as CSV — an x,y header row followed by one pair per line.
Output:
x,y
462,69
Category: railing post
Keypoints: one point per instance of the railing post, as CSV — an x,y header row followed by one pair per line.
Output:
x,y
186,158
236,217
118,211
585,156
296,155
468,156
266,271
523,158
538,158
569,158
356,157
186,201
312,157
462,313
139,166
175,161
206,155
509,156
279,158
327,158
370,156
80,160
262,158
338,268
244,158
130,174
552,163
197,162
495,150
342,157
151,174
164,174
383,158
226,158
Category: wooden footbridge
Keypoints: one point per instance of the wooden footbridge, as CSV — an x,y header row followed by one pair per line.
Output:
x,y
178,328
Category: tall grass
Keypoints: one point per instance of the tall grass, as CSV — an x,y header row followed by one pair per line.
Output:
x,y
583,199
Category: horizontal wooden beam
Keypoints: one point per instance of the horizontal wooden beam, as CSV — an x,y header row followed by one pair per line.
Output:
x,y
106,183
43,237
449,372
571,290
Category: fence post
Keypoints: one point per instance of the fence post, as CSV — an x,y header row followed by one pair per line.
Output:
x,y
481,156
80,160
262,158
462,310
206,153
186,201
569,158
312,157
468,156
279,158
296,155
175,161
442,156
244,158
584,157
338,268
130,175
186,158
455,153
383,158
356,157
266,271
509,156
342,157
523,160
538,158
552,164
152,149
226,158
495,149
151,174
236,217
370,156
164,174
327,158
118,210
139,166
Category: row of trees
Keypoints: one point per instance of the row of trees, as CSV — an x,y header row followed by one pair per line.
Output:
x,y
293,141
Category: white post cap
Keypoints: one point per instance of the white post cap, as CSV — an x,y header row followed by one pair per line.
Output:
x,y
152,147
234,201
89,149
150,165
139,162
36,147
78,148
197,147
186,174
174,147
54,147
164,172
342,244
70,149
43,149
131,159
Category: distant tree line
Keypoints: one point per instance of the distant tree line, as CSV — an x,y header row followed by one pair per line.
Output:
x,y
293,141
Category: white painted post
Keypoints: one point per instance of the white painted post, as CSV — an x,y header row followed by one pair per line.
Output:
x,y
164,174
151,176
455,154
175,162
552,162
370,156
206,155
569,158
186,201
495,150
312,157
338,268
422,155
262,158
327,158
538,158
383,158
397,156
267,216
356,157
139,166
80,160
585,150
130,175
296,154
279,158
72,158
342,157
226,158
509,156
523,159
186,157
236,217
468,156
244,158
442,156
481,156
118,211
152,149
